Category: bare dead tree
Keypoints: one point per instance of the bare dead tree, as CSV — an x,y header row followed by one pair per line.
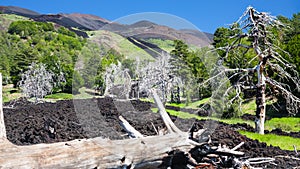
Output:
x,y
117,79
2,125
158,74
36,82
253,33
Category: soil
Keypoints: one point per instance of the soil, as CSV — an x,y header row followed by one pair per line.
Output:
x,y
66,120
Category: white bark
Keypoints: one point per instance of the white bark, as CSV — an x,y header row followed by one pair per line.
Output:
x,y
132,132
2,125
260,100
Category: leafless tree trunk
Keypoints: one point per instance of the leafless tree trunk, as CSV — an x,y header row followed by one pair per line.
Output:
x,y
2,125
260,101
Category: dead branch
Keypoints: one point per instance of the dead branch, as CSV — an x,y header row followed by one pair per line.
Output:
x,y
238,146
164,115
132,132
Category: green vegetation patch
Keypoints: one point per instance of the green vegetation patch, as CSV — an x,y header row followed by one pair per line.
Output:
x,y
119,43
10,93
166,45
13,17
185,115
7,19
285,123
193,105
284,142
249,107
59,96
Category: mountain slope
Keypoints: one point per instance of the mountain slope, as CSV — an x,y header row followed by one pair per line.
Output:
x,y
144,29
121,44
18,11
138,34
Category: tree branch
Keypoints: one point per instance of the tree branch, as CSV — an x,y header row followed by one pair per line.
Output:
x,y
132,132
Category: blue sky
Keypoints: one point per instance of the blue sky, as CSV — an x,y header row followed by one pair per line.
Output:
x,y
205,15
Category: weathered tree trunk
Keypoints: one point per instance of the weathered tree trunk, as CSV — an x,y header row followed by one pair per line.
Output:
x,y
91,153
260,101
2,125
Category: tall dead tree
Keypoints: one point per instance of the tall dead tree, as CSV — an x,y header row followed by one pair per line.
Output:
x,y
117,81
2,125
253,33
158,75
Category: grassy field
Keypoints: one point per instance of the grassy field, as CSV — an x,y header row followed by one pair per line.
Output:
x,y
284,142
7,19
192,105
59,96
166,45
120,44
285,123
10,93
249,107
185,115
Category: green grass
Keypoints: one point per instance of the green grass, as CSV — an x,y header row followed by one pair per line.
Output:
x,y
7,19
285,123
9,93
59,96
13,17
181,105
185,115
193,105
167,45
120,44
284,142
236,121
83,94
146,100
181,114
249,107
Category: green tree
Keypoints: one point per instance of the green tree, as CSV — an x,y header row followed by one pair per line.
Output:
x,y
190,67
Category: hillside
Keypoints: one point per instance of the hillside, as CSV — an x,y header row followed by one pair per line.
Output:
x,y
79,23
63,42
119,43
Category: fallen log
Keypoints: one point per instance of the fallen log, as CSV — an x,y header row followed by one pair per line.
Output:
x,y
92,153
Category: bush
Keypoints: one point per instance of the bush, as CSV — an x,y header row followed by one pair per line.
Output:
x,y
28,28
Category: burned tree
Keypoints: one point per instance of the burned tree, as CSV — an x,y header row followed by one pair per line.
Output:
x,y
158,74
253,36
117,81
37,82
